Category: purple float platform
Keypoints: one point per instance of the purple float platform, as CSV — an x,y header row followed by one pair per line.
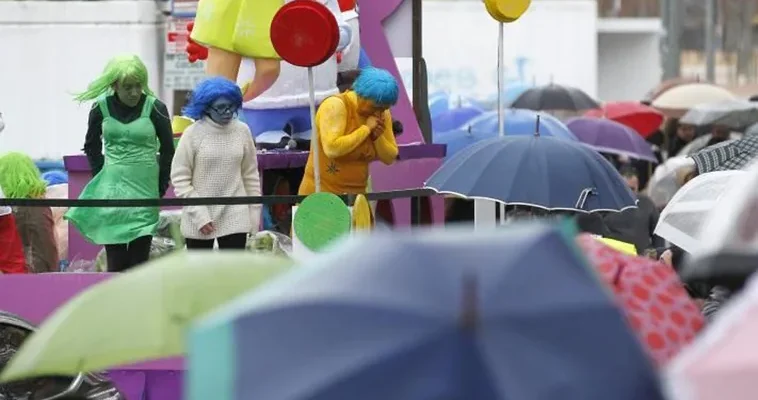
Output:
x,y
416,163
35,297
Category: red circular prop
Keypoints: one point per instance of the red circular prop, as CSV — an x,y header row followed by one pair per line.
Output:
x,y
304,33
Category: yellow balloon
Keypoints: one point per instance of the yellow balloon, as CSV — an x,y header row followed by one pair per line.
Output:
x,y
362,218
180,123
506,10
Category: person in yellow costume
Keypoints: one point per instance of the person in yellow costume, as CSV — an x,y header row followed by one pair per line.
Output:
x,y
354,128
233,29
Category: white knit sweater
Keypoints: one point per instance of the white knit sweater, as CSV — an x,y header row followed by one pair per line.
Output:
x,y
217,161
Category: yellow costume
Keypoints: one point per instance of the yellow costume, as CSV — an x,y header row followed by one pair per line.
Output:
x,y
345,147
237,26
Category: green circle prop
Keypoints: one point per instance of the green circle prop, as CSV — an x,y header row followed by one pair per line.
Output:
x,y
321,219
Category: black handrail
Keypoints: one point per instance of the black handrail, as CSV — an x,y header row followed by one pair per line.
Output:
x,y
414,194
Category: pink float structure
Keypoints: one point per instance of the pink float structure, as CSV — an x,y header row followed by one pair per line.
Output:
x,y
34,297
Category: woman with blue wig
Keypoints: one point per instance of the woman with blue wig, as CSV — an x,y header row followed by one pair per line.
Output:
x,y
354,129
216,157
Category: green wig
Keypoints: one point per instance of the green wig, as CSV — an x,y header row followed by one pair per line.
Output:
x,y
117,69
20,178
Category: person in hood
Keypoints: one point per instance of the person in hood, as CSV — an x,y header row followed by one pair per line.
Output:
x,y
635,225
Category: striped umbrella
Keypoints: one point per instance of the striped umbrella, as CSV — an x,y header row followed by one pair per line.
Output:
x,y
727,156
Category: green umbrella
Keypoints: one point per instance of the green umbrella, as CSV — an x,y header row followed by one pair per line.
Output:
x,y
139,315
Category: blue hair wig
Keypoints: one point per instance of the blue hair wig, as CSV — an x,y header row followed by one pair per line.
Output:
x,y
377,85
55,177
208,91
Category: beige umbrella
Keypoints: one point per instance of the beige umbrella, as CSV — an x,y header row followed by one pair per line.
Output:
x,y
677,101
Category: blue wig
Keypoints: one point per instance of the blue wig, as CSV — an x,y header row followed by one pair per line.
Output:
x,y
377,85
55,177
208,91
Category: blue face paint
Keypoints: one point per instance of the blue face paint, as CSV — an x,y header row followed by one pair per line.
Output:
x,y
222,111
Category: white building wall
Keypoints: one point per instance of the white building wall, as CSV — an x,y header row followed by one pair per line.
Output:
x,y
50,50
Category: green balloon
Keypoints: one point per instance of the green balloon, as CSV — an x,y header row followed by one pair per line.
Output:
x,y
321,219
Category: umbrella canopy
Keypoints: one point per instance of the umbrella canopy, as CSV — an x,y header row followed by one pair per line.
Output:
x,y
664,183
555,97
734,114
680,99
548,173
730,250
722,363
513,90
609,136
140,315
667,85
446,314
454,119
643,119
752,130
517,123
442,102
655,301
681,221
726,156
701,142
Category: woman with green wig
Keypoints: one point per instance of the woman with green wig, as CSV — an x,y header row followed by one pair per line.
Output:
x,y
21,179
134,126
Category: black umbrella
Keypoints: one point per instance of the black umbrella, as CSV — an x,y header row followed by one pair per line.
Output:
x,y
555,97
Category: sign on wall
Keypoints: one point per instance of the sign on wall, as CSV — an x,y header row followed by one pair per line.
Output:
x,y
178,72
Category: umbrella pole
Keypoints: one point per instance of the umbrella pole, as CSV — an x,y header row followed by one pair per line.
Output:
x,y
500,88
314,131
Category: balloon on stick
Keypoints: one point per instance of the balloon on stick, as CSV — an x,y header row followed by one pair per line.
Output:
x,y
305,33
503,11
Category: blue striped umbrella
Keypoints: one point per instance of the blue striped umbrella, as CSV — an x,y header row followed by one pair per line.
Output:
x,y
512,314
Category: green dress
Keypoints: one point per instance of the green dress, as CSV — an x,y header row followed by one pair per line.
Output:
x,y
130,172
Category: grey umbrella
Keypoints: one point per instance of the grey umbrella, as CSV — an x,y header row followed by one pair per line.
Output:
x,y
727,156
734,114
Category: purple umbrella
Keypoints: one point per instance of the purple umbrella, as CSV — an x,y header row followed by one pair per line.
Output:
x,y
608,136
454,118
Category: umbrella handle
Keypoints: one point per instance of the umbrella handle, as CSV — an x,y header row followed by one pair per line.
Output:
x,y
583,198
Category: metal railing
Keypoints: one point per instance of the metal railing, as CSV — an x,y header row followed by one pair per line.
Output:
x,y
415,195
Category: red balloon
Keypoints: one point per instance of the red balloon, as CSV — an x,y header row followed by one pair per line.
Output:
x,y
304,33
347,5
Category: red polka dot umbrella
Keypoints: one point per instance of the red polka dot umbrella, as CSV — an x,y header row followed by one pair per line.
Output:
x,y
656,304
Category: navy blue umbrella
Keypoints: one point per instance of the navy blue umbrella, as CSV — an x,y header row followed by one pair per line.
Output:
x,y
537,171
512,314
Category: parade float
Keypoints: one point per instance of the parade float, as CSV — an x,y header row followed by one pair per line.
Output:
x,y
320,220
283,167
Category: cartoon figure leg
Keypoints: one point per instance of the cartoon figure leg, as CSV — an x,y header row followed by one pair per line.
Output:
x,y
233,29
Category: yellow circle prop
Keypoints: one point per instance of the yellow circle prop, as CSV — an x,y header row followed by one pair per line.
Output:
x,y
362,218
506,11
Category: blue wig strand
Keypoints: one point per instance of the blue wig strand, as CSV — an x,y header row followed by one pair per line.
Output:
x,y
377,85
208,91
